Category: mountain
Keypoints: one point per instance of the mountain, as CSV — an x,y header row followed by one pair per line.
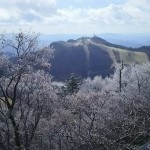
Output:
x,y
90,56
130,40
133,40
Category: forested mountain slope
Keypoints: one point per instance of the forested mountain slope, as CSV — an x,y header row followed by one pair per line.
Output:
x,y
90,56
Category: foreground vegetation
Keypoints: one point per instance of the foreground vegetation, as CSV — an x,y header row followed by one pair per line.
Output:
x,y
99,114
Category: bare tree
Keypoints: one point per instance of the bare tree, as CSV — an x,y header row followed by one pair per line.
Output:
x,y
120,76
22,90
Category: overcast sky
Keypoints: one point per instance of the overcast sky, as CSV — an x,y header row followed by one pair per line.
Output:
x,y
76,16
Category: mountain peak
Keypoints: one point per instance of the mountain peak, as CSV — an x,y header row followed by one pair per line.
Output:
x,y
94,39
98,40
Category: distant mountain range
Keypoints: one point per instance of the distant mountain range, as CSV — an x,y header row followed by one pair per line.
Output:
x,y
128,40
92,56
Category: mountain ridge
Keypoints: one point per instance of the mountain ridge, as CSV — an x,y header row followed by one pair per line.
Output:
x,y
90,56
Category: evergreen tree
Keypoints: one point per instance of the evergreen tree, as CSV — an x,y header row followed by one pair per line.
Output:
x,y
72,85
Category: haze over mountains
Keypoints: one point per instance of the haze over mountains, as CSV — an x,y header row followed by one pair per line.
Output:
x,y
90,57
128,40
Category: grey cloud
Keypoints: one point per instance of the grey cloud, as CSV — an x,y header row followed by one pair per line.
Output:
x,y
40,9
125,15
